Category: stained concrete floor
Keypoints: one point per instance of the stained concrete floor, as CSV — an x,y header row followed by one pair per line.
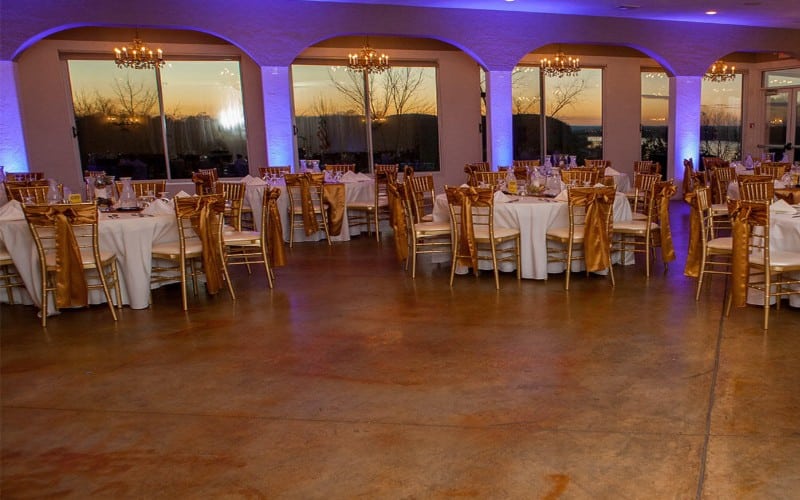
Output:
x,y
352,380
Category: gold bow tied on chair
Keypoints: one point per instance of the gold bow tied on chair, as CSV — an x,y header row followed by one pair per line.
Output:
x,y
743,215
694,254
71,286
277,256
204,212
596,245
467,197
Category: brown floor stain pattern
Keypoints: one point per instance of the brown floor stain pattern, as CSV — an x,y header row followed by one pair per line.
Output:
x,y
351,380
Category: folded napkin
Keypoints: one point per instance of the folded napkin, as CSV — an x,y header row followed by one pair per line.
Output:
x,y
159,207
781,207
253,181
348,177
562,196
500,197
611,171
363,177
12,211
181,194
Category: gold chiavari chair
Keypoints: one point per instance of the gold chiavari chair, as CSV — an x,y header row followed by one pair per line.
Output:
x,y
264,247
756,188
714,252
774,170
199,246
9,276
644,236
721,177
581,176
233,194
646,167
274,171
692,179
306,205
590,215
68,245
204,180
474,236
422,193
762,269
376,210
94,173
420,237
343,167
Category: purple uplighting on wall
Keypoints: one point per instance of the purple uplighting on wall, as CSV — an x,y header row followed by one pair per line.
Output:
x,y
13,155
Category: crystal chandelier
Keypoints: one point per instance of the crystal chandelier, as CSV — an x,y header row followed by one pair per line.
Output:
x,y
560,65
138,56
720,72
368,60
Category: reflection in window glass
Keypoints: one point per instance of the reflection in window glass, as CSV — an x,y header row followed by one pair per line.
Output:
x,y
205,117
525,101
330,116
574,107
117,119
655,116
721,119
789,77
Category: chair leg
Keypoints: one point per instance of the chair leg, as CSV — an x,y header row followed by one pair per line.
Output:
x,y
104,283
414,259
183,283
519,258
267,267
569,264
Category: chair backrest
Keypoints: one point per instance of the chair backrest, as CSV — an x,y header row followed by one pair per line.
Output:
x,y
294,190
390,169
421,192
703,204
145,188
581,176
233,194
37,194
481,209
94,173
526,163
756,188
774,170
579,198
188,210
712,162
204,180
491,179
480,166
721,177
596,163
343,167
274,171
24,176
646,167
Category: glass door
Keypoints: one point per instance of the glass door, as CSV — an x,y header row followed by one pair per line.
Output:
x,y
782,127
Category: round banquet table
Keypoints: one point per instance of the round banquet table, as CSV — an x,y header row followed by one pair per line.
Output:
x,y
533,216
130,236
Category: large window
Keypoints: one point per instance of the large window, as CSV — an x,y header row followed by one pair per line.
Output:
x,y
721,119
655,115
331,116
573,108
119,120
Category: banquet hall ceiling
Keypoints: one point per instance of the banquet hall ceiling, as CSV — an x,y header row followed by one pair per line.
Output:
x,y
765,13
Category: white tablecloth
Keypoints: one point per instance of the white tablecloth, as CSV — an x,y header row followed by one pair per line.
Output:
x,y
361,191
784,235
533,217
130,236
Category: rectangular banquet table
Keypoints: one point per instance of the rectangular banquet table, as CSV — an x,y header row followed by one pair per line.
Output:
x,y
361,191
128,235
533,216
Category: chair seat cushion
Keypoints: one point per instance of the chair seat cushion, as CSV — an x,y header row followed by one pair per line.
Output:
x,y
562,233
482,233
719,208
362,205
232,237
174,248
427,218
723,243
87,257
638,216
633,226
432,226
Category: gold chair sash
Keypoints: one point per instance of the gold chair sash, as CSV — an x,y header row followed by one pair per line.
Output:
x,y
307,205
694,254
204,212
204,183
596,246
467,249
396,194
276,254
789,195
334,196
743,215
71,286
666,191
